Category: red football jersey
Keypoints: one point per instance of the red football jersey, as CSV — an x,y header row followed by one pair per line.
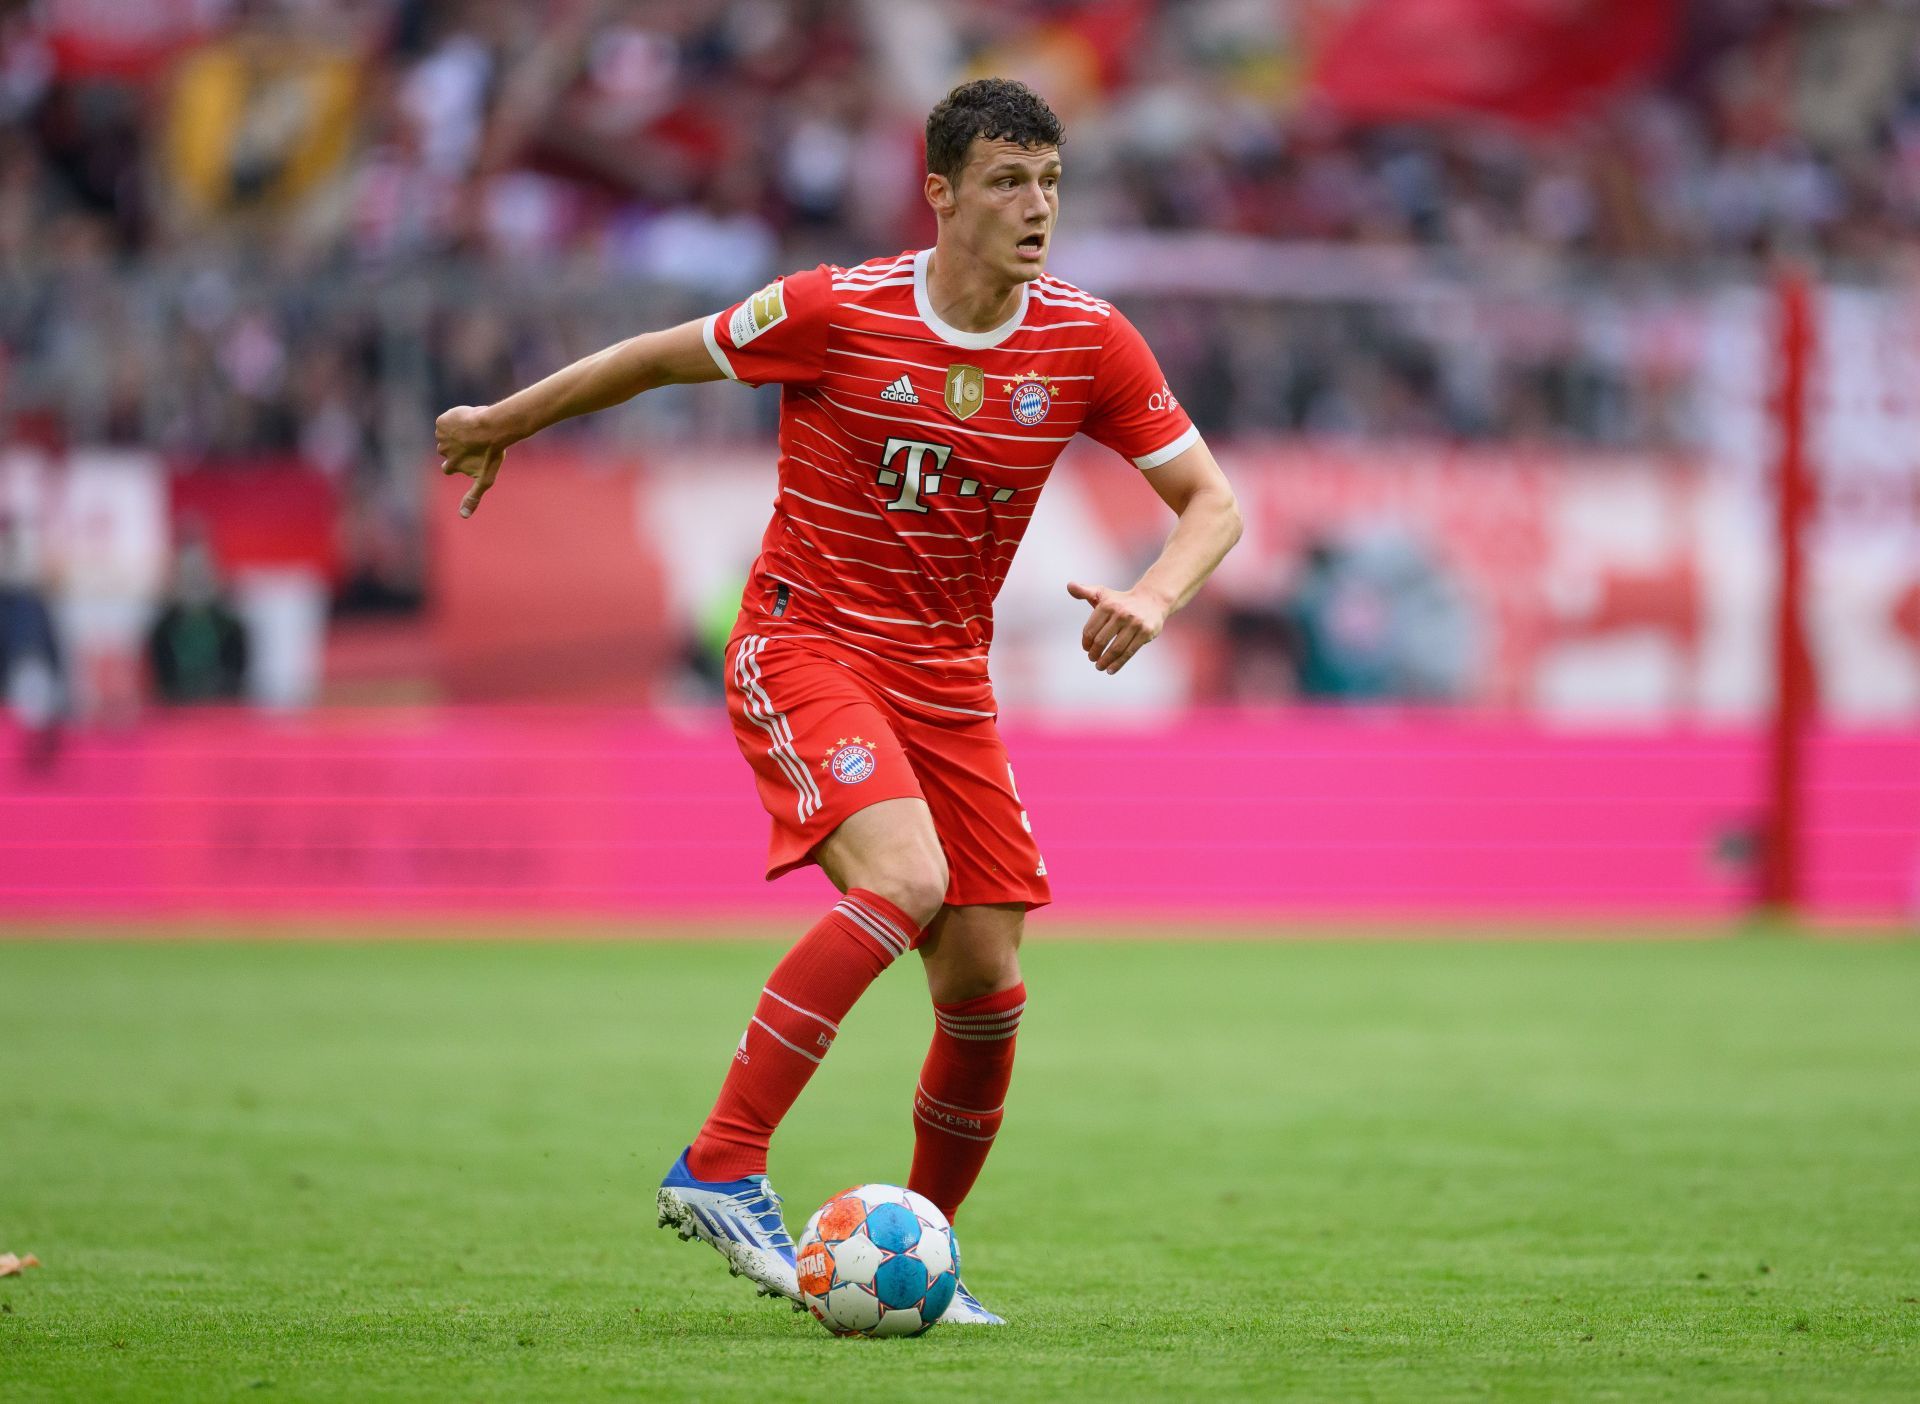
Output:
x,y
912,453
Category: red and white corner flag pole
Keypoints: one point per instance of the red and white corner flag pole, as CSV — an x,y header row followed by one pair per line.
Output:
x,y
1794,692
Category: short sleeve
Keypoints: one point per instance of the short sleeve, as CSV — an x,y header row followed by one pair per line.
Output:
x,y
777,336
1134,413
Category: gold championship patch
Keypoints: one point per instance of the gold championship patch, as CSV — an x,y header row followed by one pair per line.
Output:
x,y
966,390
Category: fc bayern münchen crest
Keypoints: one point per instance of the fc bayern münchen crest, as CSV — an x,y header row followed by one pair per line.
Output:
x,y
1032,397
850,761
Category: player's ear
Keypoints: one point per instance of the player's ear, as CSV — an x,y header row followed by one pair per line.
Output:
x,y
939,192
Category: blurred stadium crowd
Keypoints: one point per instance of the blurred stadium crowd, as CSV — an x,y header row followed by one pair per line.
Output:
x,y
185,186
708,145
244,231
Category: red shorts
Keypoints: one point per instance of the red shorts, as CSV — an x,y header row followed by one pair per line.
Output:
x,y
824,743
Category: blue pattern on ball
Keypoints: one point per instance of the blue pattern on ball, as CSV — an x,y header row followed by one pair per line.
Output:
x,y
892,1227
939,1296
901,1282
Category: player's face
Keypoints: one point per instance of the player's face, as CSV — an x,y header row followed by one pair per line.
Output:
x,y
1005,202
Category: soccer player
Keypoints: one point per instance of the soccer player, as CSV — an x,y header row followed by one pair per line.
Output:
x,y
925,398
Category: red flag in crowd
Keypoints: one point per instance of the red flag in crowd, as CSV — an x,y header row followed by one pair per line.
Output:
x,y
1537,62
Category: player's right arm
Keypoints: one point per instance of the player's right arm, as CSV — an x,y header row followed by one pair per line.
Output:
x,y
776,336
472,440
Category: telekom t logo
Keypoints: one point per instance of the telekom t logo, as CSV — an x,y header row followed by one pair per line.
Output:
x,y
915,477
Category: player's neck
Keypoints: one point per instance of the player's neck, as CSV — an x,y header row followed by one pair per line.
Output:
x,y
966,294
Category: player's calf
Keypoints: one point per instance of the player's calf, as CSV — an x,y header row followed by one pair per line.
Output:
x,y
792,1027
960,1100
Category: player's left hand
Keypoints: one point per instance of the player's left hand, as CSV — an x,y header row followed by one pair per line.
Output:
x,y
1122,623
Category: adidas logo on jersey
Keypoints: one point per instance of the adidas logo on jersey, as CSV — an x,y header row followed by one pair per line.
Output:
x,y
900,392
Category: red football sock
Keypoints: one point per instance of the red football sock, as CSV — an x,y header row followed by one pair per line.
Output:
x,y
793,1026
963,1088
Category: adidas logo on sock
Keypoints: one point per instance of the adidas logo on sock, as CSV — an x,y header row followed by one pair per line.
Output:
x,y
900,392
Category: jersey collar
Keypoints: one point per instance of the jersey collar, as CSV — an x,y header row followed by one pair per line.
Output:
x,y
973,341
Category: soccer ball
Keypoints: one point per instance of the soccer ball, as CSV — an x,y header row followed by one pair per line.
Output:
x,y
878,1260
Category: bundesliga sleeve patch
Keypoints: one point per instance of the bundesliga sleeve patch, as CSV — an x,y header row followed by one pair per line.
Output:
x,y
764,309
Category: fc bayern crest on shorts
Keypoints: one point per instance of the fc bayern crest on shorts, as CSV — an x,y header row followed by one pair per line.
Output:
x,y
850,761
1032,397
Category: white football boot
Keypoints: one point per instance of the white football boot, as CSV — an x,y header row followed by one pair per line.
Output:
x,y
965,1310
739,1218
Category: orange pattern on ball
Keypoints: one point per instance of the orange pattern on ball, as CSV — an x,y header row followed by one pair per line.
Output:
x,y
815,1269
842,1219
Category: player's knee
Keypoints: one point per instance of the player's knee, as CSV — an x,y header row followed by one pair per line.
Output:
x,y
976,979
917,886
973,953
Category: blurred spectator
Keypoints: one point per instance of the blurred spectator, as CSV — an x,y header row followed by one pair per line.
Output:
x,y
31,676
1373,618
198,645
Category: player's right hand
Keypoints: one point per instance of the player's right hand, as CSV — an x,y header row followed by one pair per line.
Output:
x,y
468,447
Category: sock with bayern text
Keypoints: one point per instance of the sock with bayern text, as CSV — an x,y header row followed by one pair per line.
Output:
x,y
963,1089
793,1026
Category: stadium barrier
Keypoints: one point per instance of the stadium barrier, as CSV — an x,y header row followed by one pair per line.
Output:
x,y
623,815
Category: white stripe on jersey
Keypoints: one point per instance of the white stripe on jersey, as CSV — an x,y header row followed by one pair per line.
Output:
x,y
935,424
896,316
803,589
1059,287
1059,326
822,596
913,551
970,580
990,465
936,706
876,267
895,539
1052,301
928,596
931,339
833,506
922,365
869,287
910,623
952,661
980,502
854,455
880,638
839,531
822,469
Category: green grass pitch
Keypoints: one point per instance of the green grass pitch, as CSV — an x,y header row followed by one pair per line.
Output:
x,y
1313,1170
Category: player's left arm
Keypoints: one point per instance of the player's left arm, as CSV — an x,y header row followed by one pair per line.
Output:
x,y
1125,621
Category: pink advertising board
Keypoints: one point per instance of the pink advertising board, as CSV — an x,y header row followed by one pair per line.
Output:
x,y
619,814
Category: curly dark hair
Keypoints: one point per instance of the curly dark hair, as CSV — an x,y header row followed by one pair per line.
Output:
x,y
998,109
